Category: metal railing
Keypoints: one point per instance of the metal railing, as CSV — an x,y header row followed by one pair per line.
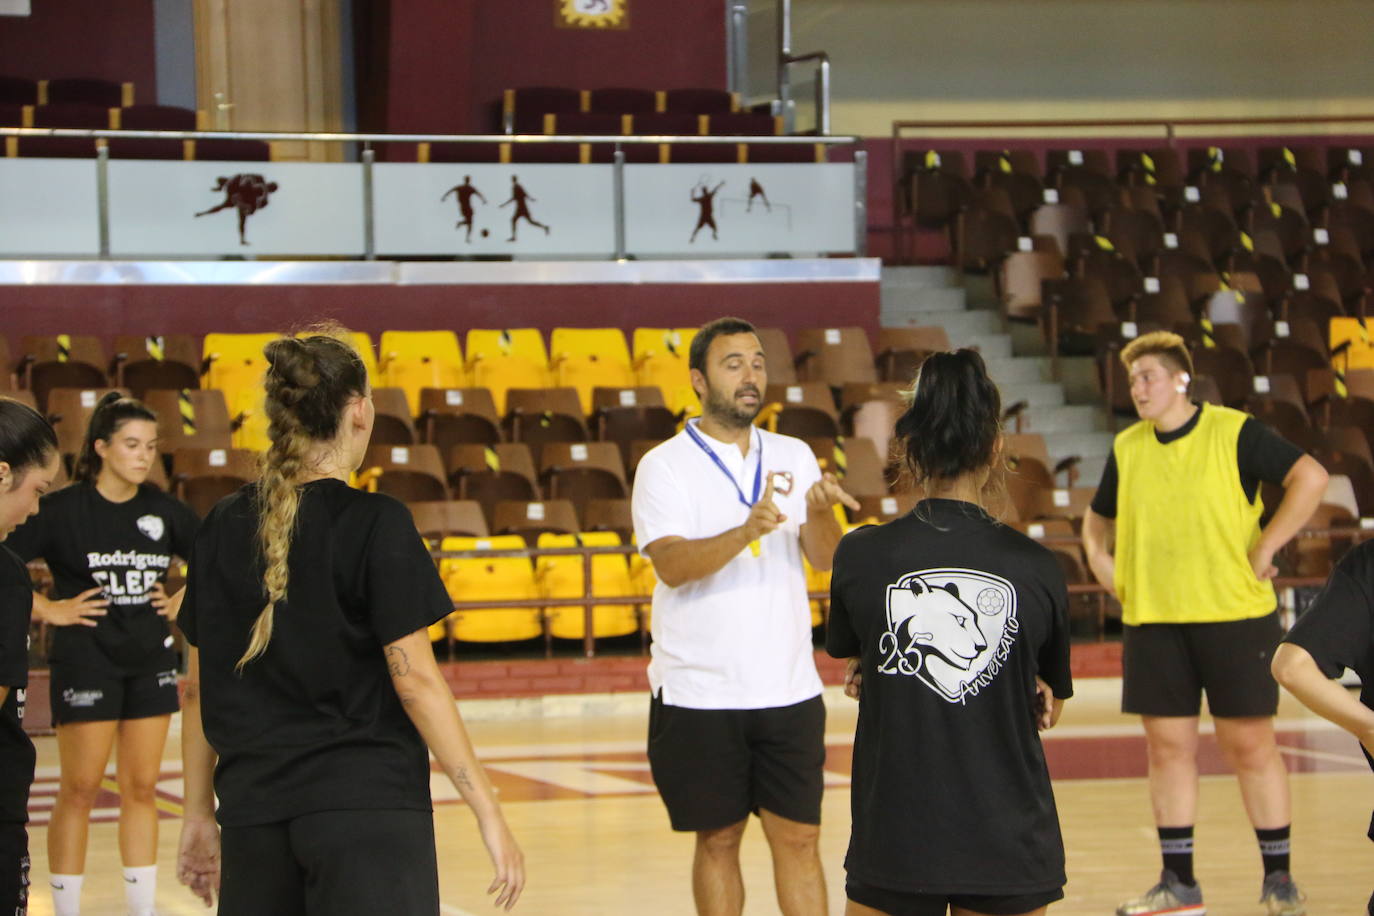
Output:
x,y
368,159
785,61
589,600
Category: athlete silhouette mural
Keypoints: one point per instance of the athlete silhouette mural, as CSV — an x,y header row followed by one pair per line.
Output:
x,y
245,193
756,190
705,199
465,192
521,198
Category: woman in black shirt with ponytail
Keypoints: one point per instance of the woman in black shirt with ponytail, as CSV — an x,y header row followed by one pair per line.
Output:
x,y
109,539
958,627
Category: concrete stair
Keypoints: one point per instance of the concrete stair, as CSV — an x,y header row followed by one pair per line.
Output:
x,y
1066,411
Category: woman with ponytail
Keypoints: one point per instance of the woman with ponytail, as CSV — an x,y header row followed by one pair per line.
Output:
x,y
313,699
28,464
109,540
957,631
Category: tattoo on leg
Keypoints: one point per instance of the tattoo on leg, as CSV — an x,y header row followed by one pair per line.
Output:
x,y
397,661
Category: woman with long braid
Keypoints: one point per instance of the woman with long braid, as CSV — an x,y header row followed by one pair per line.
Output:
x,y
313,698
28,463
109,539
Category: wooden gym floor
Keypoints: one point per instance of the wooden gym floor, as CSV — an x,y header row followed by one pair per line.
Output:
x,y
577,792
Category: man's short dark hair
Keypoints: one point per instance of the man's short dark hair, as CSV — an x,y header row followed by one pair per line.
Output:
x,y
696,357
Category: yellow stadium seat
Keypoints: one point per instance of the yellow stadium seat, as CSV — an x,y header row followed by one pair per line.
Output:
x,y
660,357
683,401
587,358
561,577
491,579
510,358
235,365
411,360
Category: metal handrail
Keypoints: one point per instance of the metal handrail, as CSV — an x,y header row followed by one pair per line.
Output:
x,y
786,58
632,140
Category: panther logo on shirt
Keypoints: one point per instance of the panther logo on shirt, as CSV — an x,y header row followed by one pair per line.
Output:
x,y
152,526
950,628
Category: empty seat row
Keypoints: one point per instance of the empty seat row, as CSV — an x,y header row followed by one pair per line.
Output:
x,y
522,110
135,117
18,90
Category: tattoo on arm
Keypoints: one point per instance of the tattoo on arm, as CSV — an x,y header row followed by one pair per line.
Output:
x,y
460,776
397,662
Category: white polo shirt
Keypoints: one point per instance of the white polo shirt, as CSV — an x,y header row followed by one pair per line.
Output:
x,y
741,637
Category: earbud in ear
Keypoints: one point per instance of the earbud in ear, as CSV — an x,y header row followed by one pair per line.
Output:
x,y
1183,389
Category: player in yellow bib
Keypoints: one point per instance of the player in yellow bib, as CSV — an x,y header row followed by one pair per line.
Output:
x,y
1191,565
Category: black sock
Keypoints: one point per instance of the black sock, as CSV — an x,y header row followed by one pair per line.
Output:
x,y
1177,845
1274,847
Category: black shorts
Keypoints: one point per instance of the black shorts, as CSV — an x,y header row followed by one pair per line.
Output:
x,y
14,869
1167,666
715,766
905,903
81,694
331,863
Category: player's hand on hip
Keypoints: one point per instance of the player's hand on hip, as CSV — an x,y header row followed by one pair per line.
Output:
x,y
1262,562
78,611
826,492
764,517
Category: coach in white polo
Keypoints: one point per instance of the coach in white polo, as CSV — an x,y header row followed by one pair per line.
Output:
x,y
725,511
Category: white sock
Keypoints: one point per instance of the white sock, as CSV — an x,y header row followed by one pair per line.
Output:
x,y
66,894
140,887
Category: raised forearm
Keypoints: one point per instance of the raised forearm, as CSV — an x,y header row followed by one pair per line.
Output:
x,y
679,561
819,537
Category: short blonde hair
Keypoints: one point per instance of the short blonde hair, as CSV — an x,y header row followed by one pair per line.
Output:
x,y
1170,347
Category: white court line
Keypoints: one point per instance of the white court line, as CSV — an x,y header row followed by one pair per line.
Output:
x,y
1353,760
453,911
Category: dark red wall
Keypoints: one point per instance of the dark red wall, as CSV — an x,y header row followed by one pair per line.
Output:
x,y
449,60
110,310
105,39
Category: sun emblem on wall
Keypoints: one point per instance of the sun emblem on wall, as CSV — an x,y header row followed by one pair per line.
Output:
x,y
592,14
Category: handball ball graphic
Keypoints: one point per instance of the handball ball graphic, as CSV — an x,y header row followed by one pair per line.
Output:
x,y
990,601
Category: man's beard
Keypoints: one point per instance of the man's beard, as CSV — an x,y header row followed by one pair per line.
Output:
x,y
725,410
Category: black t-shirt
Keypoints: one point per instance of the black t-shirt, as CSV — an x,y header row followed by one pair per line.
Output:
x,y
313,724
16,748
953,616
125,548
1261,454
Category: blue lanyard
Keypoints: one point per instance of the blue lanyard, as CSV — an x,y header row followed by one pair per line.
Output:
x,y
758,472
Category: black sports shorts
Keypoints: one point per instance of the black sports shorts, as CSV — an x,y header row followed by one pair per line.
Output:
x,y
331,863
81,694
1167,666
905,903
14,869
715,766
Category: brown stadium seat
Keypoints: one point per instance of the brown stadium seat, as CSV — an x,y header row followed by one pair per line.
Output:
x,y
488,474
202,477
190,418
62,360
835,356
439,519
410,473
582,471
156,361
539,415
393,425
531,519
777,356
454,416
805,410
